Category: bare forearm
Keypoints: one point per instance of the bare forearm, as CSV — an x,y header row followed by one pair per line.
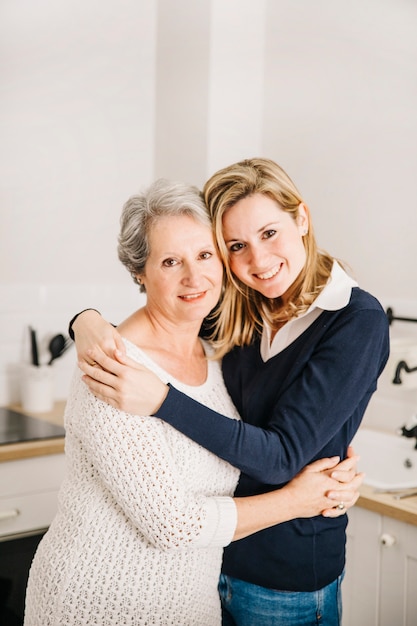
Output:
x,y
314,491
259,512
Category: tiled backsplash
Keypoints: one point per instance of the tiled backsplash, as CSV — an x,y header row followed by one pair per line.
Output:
x,y
48,308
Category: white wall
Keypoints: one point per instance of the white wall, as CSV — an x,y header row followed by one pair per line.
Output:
x,y
77,112
182,89
77,124
98,98
236,82
340,115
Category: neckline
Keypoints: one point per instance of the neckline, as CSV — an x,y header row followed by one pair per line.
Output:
x,y
165,376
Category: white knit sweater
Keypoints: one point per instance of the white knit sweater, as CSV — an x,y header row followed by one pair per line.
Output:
x,y
143,515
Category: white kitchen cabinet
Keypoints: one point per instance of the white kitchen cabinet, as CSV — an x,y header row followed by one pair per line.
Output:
x,y
28,493
28,503
380,586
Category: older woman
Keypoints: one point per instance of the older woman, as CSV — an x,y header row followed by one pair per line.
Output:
x,y
144,512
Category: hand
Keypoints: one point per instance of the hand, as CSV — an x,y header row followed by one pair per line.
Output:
x,y
314,491
345,471
92,332
123,383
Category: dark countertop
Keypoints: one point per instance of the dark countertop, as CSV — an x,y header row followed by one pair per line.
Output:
x,y
16,427
24,435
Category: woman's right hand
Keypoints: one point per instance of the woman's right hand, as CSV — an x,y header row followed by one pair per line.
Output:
x,y
337,482
123,383
93,333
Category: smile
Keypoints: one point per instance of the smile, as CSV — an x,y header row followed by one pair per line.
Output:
x,y
193,296
269,274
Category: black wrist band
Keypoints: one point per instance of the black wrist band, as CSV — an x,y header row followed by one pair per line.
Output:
x,y
70,331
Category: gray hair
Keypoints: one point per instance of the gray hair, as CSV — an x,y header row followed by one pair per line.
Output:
x,y
142,211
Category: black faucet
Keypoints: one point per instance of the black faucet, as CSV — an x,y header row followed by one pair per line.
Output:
x,y
409,433
402,365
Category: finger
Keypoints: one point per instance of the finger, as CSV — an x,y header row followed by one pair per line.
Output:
x,y
99,375
323,464
105,398
86,357
120,344
347,497
343,476
350,451
334,512
341,507
126,360
105,362
346,465
349,462
100,390
351,486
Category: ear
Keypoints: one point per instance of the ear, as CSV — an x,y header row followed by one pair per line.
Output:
x,y
303,219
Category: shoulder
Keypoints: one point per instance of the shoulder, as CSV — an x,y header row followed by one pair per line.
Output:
x,y
364,305
365,300
363,321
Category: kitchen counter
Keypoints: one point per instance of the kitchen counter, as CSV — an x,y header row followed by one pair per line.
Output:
x,y
384,503
404,510
39,447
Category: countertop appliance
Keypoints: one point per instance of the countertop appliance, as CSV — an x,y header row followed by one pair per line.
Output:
x,y
16,427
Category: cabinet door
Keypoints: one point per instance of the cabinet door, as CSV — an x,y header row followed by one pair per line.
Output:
x,y
360,589
398,588
28,493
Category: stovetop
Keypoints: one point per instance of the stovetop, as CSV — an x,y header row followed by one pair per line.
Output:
x,y
16,427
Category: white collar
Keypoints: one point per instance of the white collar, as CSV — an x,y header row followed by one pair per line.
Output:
x,y
334,296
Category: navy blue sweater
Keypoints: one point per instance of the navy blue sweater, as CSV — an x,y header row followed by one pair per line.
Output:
x,y
303,404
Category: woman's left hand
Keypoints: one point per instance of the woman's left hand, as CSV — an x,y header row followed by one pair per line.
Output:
x,y
349,480
123,383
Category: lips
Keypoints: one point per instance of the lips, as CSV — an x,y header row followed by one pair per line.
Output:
x,y
193,296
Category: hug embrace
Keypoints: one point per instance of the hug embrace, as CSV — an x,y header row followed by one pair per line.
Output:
x,y
205,485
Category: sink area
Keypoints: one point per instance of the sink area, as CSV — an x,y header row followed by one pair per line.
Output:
x,y
388,460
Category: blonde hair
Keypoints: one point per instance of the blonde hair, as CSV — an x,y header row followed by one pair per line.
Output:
x,y
239,315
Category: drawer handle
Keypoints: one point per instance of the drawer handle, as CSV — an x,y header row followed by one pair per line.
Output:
x,y
4,515
388,540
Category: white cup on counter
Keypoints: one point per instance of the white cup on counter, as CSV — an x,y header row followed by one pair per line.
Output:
x,y
37,389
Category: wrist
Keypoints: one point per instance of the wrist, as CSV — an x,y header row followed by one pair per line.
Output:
x,y
72,324
161,397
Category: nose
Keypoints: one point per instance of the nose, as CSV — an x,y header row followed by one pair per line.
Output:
x,y
191,274
257,256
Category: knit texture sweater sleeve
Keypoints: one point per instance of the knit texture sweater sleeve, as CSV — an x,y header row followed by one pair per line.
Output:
x,y
145,471
326,384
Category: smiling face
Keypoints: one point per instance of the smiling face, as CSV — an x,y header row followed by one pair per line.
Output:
x,y
265,244
183,273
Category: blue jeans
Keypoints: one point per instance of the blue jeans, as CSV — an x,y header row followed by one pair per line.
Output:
x,y
244,604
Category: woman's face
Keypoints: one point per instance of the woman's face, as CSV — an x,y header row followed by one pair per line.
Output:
x,y
183,273
265,244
